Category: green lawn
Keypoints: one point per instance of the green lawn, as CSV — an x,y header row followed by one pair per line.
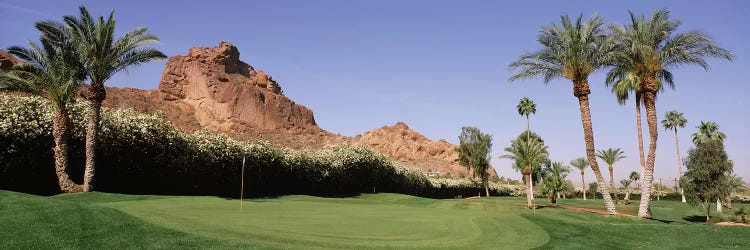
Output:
x,y
99,220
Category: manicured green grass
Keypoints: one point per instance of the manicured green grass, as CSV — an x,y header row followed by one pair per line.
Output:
x,y
99,220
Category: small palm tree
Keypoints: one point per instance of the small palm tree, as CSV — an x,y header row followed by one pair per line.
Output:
x,y
674,120
742,212
51,70
527,153
708,131
581,163
635,177
554,182
610,156
104,56
734,185
647,48
626,185
572,50
525,107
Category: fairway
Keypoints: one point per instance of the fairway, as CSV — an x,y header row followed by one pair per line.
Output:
x,y
103,220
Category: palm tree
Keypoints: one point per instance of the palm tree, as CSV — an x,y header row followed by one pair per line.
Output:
x,y
53,71
647,48
708,131
104,56
527,153
635,177
734,185
525,107
674,120
581,164
621,87
554,183
610,156
572,51
626,185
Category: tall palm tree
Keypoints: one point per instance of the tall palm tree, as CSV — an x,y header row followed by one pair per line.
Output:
x,y
647,47
581,164
104,56
525,107
708,131
51,70
622,87
527,153
572,50
610,156
674,120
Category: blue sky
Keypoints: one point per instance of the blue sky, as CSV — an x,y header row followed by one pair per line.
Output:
x,y
436,65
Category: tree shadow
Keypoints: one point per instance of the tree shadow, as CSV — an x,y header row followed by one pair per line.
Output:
x,y
663,221
695,218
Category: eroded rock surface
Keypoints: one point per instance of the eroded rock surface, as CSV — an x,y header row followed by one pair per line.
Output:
x,y
224,92
7,60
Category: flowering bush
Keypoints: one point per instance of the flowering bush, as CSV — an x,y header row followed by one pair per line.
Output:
x,y
144,153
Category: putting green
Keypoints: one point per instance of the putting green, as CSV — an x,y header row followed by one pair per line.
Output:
x,y
369,221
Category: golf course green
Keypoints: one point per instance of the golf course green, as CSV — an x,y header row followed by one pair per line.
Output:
x,y
101,220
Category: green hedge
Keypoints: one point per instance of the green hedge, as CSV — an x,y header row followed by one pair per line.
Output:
x,y
145,154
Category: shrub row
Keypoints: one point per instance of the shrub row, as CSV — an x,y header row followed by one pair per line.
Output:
x,y
144,154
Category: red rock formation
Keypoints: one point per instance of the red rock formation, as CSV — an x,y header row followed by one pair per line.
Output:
x,y
7,60
225,92
412,148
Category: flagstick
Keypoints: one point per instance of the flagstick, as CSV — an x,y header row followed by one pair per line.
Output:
x,y
242,187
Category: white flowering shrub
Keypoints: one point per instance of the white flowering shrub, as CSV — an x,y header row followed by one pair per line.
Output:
x,y
144,153
446,187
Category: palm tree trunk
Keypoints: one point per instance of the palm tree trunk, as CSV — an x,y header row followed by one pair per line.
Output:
x,y
97,94
728,201
529,191
627,194
581,90
528,129
649,100
61,134
640,130
583,186
612,184
679,163
718,205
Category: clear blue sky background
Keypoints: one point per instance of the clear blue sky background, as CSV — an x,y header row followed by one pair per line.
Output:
x,y
436,65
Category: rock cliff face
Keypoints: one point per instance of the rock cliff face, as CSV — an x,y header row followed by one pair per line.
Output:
x,y
224,91
211,89
7,60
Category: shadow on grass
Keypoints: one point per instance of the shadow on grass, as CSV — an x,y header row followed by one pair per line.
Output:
x,y
695,218
663,221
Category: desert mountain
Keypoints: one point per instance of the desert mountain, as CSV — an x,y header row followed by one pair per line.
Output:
x,y
211,89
